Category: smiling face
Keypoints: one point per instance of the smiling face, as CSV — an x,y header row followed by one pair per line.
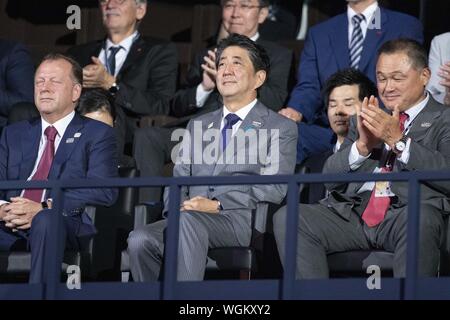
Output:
x,y
121,17
237,80
342,105
243,17
399,82
55,90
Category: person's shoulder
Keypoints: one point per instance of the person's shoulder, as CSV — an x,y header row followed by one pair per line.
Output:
x,y
442,38
400,17
272,47
156,42
21,126
276,120
95,126
329,24
7,47
85,46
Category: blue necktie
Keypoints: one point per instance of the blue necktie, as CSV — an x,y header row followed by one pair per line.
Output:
x,y
356,43
230,120
112,59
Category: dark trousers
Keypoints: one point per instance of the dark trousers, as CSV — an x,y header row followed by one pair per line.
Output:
x,y
34,240
322,231
152,150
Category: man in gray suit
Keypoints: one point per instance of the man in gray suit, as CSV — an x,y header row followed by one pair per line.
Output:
x,y
359,216
220,216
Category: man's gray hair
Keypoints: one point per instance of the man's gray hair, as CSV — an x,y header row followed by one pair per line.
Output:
x,y
141,1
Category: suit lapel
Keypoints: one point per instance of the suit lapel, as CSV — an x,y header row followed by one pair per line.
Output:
x,y
373,38
136,51
66,146
30,147
424,120
339,41
212,123
254,120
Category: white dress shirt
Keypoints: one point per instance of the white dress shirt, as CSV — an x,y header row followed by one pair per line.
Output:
x,y
201,94
121,54
241,113
368,14
60,126
356,160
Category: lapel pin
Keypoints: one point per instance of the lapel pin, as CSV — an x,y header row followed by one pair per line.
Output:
x,y
70,140
77,135
210,125
256,124
425,125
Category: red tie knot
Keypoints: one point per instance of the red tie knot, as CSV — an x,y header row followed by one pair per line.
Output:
x,y
50,132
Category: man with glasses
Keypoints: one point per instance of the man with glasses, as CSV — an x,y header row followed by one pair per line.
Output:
x,y
153,145
141,72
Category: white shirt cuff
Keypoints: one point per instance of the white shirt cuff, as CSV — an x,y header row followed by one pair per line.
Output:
x,y
2,202
201,95
355,160
404,156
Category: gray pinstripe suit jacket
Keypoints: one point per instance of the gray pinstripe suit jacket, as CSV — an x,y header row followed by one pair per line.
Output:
x,y
238,201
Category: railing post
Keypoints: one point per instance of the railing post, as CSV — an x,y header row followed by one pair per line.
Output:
x,y
412,238
171,245
288,283
54,245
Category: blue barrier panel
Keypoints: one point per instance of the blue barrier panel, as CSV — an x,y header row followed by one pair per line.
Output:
x,y
270,289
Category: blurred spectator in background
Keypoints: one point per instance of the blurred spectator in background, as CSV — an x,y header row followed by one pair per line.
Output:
x,y
439,60
16,77
350,39
140,72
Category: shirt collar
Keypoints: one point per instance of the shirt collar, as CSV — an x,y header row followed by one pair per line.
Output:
x,y
255,36
368,13
125,43
60,125
242,112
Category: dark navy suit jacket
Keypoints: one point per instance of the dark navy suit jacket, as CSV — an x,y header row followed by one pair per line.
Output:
x,y
325,52
86,151
16,77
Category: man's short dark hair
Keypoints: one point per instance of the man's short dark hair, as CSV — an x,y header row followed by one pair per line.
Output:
x,y
77,71
96,99
257,54
262,3
413,49
349,77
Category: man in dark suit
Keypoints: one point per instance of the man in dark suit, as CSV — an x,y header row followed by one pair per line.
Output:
x,y
413,136
16,77
141,72
220,216
343,93
347,40
153,145
59,145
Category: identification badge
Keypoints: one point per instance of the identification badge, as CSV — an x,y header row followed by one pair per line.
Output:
x,y
383,189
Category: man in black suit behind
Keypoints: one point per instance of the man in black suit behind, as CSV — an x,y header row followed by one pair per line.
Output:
x,y
343,92
153,145
141,72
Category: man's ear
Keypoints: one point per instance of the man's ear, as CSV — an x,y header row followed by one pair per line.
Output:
x,y
425,76
76,92
260,78
263,14
141,10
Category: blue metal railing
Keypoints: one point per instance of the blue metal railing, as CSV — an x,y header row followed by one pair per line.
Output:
x,y
287,288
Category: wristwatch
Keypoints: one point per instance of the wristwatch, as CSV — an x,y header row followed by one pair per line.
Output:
x,y
400,145
114,88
